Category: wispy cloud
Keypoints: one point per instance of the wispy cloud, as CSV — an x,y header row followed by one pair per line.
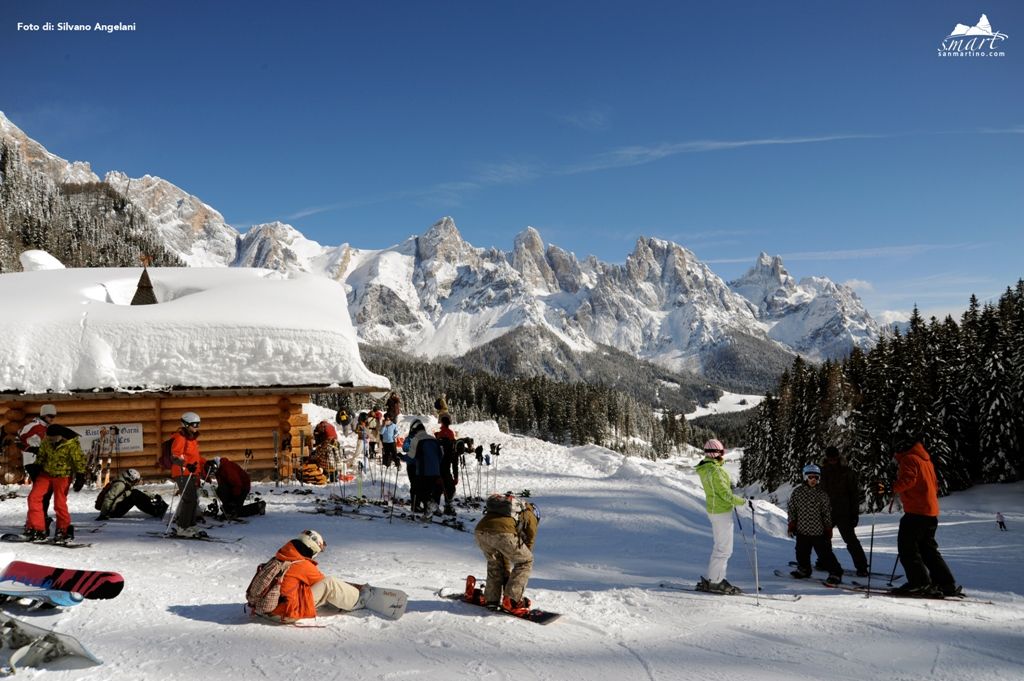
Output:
x,y
625,157
859,285
593,119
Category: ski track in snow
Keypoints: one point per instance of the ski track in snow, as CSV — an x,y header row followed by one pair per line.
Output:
x,y
611,530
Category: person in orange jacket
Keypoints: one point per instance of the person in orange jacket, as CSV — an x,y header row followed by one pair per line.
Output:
x,y
927,572
304,588
187,471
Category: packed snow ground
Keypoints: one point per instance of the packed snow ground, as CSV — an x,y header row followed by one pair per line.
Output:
x,y
612,528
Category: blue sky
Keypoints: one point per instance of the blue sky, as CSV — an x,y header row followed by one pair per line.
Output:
x,y
829,133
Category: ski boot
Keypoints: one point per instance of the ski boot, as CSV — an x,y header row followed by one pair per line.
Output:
x,y
518,608
64,536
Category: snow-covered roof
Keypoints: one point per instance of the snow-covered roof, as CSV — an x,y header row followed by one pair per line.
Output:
x,y
66,330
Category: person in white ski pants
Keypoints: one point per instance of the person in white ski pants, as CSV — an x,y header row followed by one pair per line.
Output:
x,y
720,504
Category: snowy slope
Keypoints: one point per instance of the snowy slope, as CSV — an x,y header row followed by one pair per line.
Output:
x,y
611,529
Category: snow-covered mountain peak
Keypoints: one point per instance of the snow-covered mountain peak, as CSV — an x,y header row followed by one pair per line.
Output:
x,y
39,159
529,259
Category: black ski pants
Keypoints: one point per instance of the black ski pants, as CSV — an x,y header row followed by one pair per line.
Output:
x,y
849,535
154,506
822,546
919,552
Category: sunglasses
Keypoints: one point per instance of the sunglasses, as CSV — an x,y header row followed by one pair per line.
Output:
x,y
813,477
193,425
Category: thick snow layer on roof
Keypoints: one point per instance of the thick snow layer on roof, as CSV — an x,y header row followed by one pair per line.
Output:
x,y
73,329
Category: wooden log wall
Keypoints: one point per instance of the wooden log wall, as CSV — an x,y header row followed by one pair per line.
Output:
x,y
230,425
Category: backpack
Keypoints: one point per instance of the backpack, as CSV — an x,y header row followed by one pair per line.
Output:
x,y
166,458
512,506
264,591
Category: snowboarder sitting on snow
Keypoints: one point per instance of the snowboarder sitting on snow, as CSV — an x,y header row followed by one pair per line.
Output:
x,y
720,502
120,496
187,469
60,458
304,588
233,485
810,521
506,535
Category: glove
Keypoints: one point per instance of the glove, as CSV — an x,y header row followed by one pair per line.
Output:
x,y
79,482
191,468
791,529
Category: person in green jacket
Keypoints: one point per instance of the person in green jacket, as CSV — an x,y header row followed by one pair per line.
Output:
x,y
720,503
60,459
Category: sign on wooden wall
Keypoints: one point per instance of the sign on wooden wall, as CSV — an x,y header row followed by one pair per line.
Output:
x,y
128,438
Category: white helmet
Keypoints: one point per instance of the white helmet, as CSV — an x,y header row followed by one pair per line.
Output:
x,y
131,476
47,410
312,540
190,417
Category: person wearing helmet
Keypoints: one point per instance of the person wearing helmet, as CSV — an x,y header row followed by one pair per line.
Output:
x,y
121,495
810,521
304,589
187,471
719,502
60,459
30,437
233,485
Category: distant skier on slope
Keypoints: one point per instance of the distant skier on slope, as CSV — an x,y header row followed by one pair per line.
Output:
x,y
810,521
304,589
720,502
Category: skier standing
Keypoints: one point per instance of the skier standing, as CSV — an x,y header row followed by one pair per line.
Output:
x,y
424,454
839,482
1001,521
30,437
188,467
720,502
60,458
121,496
304,588
927,572
449,463
810,521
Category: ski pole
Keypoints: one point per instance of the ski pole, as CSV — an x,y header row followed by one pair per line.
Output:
x,y
746,548
871,556
892,577
277,463
753,533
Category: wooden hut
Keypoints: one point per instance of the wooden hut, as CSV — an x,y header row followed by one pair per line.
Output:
x,y
243,348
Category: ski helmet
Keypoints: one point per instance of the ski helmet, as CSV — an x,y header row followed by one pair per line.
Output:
x,y
811,469
312,540
47,410
131,476
190,418
416,427
714,447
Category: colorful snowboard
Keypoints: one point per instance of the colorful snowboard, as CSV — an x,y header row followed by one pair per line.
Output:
x,y
533,615
54,597
35,646
92,584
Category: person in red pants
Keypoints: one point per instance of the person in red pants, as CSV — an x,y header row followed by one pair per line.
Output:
x,y
60,459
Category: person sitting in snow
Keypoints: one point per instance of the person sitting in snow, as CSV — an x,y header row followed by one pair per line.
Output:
x,y
120,496
810,521
233,485
304,589
60,459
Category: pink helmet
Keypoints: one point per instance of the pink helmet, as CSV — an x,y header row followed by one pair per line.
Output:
x,y
714,447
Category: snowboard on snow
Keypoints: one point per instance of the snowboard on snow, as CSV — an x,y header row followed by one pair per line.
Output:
x,y
531,615
384,601
91,584
853,573
35,646
11,590
22,539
